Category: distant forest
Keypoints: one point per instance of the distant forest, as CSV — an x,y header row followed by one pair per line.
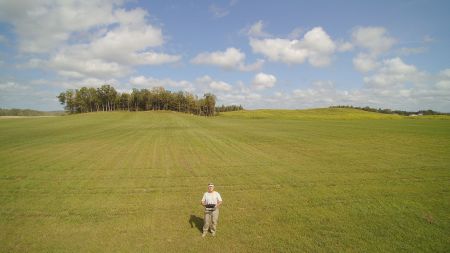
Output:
x,y
106,98
27,112
389,111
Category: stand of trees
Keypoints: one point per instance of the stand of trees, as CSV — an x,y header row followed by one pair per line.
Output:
x,y
389,111
229,108
106,98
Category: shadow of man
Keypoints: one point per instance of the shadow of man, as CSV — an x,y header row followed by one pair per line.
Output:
x,y
197,222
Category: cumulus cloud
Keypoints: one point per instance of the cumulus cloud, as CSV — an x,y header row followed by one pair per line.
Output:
x,y
12,86
220,85
208,84
84,82
257,30
15,94
443,80
263,81
374,39
257,65
44,25
427,92
85,39
344,46
365,62
114,53
231,59
241,94
325,93
79,67
228,59
150,82
238,93
316,46
321,91
394,84
394,72
252,99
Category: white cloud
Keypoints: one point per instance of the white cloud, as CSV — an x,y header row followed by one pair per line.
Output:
x,y
316,47
263,81
85,39
43,25
15,94
394,72
150,82
374,39
443,84
231,58
395,84
250,99
344,46
220,85
114,53
86,82
79,67
257,30
208,84
204,80
365,62
239,93
12,86
228,59
323,93
443,80
143,81
445,73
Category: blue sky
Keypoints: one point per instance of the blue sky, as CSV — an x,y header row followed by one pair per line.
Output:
x,y
261,54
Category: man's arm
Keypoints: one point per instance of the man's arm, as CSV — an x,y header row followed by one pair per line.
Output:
x,y
219,203
203,202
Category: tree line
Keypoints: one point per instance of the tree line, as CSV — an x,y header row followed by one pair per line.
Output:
x,y
229,108
107,98
389,111
26,112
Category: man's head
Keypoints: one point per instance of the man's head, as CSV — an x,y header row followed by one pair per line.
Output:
x,y
210,187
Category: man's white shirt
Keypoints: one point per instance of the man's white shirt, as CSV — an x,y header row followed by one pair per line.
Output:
x,y
211,198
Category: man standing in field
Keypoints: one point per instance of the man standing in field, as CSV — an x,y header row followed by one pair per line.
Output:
x,y
211,201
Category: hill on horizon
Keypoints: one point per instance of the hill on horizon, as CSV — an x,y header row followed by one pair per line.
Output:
x,y
320,113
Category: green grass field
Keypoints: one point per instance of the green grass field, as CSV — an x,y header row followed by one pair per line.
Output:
x,y
329,180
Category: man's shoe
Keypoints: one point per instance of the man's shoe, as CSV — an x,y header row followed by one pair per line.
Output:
x,y
204,234
213,234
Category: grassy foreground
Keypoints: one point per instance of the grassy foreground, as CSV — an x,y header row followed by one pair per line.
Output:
x,y
132,182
